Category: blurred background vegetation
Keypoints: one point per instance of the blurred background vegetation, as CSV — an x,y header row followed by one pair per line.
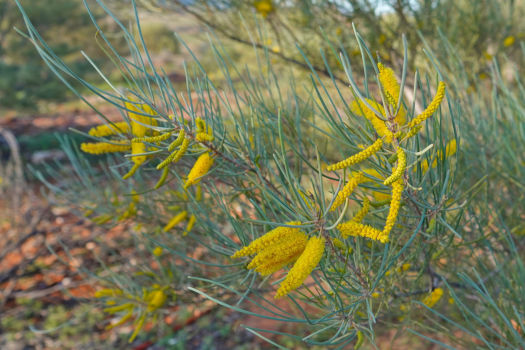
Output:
x,y
467,37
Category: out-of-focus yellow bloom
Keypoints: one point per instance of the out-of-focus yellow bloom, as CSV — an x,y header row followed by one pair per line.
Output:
x,y
434,296
176,220
105,147
109,129
509,41
190,224
450,150
363,211
302,268
200,168
264,7
157,251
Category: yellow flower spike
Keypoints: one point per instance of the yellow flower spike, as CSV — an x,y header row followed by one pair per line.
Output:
x,y
203,137
359,157
107,292
271,267
358,107
400,168
190,224
109,129
390,85
200,125
352,228
347,190
363,211
136,156
263,7
157,251
395,203
288,246
120,322
178,141
176,220
138,326
176,155
104,147
152,139
432,107
431,299
115,309
162,178
269,238
305,264
139,122
200,168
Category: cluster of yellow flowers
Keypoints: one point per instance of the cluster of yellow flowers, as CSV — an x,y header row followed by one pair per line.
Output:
x,y
389,122
127,305
280,247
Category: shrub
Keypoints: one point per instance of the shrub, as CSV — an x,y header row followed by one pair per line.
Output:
x,y
378,205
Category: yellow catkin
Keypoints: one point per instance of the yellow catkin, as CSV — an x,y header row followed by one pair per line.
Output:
x,y
358,107
432,107
200,125
290,245
305,264
176,220
139,122
363,211
400,168
137,157
162,178
271,267
347,190
203,137
178,141
158,138
395,203
104,147
176,155
109,129
189,226
200,168
353,228
390,85
359,157
271,237
434,296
